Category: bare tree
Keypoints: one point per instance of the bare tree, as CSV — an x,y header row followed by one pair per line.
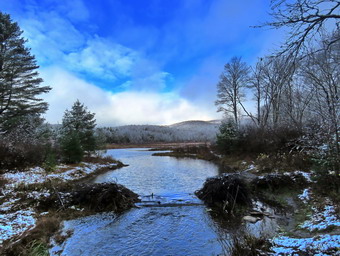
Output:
x,y
322,73
256,85
277,73
305,19
230,88
296,100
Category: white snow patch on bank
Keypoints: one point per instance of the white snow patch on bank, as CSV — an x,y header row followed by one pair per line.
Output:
x,y
39,175
321,220
15,223
305,196
318,245
7,206
12,224
306,175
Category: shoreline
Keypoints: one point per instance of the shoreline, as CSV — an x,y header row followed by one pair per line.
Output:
x,y
163,145
309,205
24,192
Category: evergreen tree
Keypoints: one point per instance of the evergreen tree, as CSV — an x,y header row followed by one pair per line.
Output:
x,y
19,80
78,132
71,148
227,138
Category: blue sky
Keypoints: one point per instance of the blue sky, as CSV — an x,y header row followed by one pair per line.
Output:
x,y
139,61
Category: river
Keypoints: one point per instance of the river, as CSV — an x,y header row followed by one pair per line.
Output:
x,y
170,220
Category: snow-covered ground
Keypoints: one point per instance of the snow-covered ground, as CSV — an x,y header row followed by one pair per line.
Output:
x,y
63,172
13,224
321,220
14,220
316,244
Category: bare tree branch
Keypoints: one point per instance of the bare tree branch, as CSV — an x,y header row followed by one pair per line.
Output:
x,y
306,19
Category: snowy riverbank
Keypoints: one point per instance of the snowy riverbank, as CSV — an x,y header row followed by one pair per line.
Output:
x,y
15,219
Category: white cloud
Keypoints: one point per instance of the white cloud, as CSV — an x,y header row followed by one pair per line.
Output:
x,y
103,58
49,35
121,108
92,56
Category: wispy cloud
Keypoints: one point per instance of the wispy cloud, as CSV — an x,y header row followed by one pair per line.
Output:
x,y
102,58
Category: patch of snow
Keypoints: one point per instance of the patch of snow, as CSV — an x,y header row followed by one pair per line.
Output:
x,y
34,175
322,220
38,194
7,206
39,175
318,245
305,196
13,224
306,175
250,168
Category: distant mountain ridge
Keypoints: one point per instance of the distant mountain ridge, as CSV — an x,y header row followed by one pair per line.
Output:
x,y
195,123
187,131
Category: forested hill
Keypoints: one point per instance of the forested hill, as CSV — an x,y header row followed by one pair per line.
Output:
x,y
188,131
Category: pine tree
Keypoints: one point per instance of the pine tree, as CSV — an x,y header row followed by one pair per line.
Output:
x,y
78,132
227,137
20,84
71,148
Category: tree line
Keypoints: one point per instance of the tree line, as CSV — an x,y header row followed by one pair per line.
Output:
x,y
294,92
26,139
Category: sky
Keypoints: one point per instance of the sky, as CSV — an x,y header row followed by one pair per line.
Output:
x,y
139,61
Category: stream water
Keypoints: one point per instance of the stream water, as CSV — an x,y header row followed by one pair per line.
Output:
x,y
170,220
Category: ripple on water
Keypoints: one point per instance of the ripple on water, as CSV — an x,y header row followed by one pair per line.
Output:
x,y
184,230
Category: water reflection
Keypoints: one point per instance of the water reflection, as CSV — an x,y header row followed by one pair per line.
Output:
x,y
147,174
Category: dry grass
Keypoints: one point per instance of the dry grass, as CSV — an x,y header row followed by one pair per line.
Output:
x,y
35,241
100,160
248,245
284,162
191,151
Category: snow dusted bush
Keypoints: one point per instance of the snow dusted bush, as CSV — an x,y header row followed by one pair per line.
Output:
x,y
25,145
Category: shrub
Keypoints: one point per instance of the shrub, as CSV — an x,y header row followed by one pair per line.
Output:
x,y
16,155
254,140
50,162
